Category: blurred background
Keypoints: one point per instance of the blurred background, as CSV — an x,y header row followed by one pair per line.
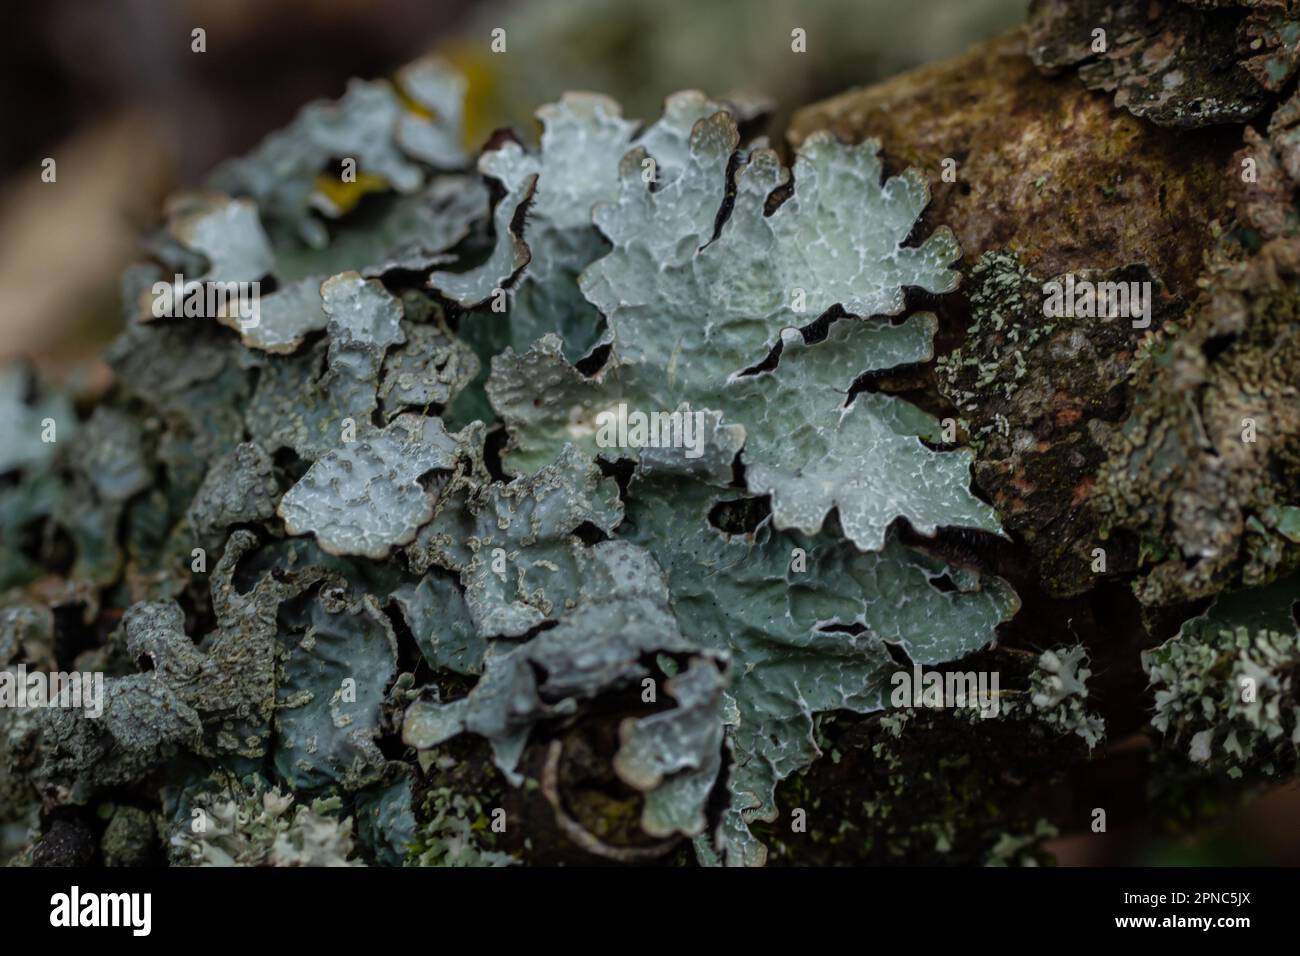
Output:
x,y
113,92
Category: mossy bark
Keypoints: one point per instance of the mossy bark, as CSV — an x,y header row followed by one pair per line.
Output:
x,y
1045,167
1060,180
1053,178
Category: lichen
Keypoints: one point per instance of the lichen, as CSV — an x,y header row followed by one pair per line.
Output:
x,y
1224,689
260,827
1058,689
1166,61
1038,396
365,497
936,785
371,583
1210,453
455,832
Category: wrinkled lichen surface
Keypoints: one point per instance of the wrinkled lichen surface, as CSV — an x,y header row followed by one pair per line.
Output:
x,y
374,580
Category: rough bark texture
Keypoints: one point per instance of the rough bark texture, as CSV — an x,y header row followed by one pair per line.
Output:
x,y
1045,167
1056,179
1088,433
1051,178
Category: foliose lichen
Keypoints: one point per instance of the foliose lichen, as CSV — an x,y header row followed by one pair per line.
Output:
x,y
313,550
1224,687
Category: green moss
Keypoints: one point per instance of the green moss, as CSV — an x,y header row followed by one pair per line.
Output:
x,y
130,838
